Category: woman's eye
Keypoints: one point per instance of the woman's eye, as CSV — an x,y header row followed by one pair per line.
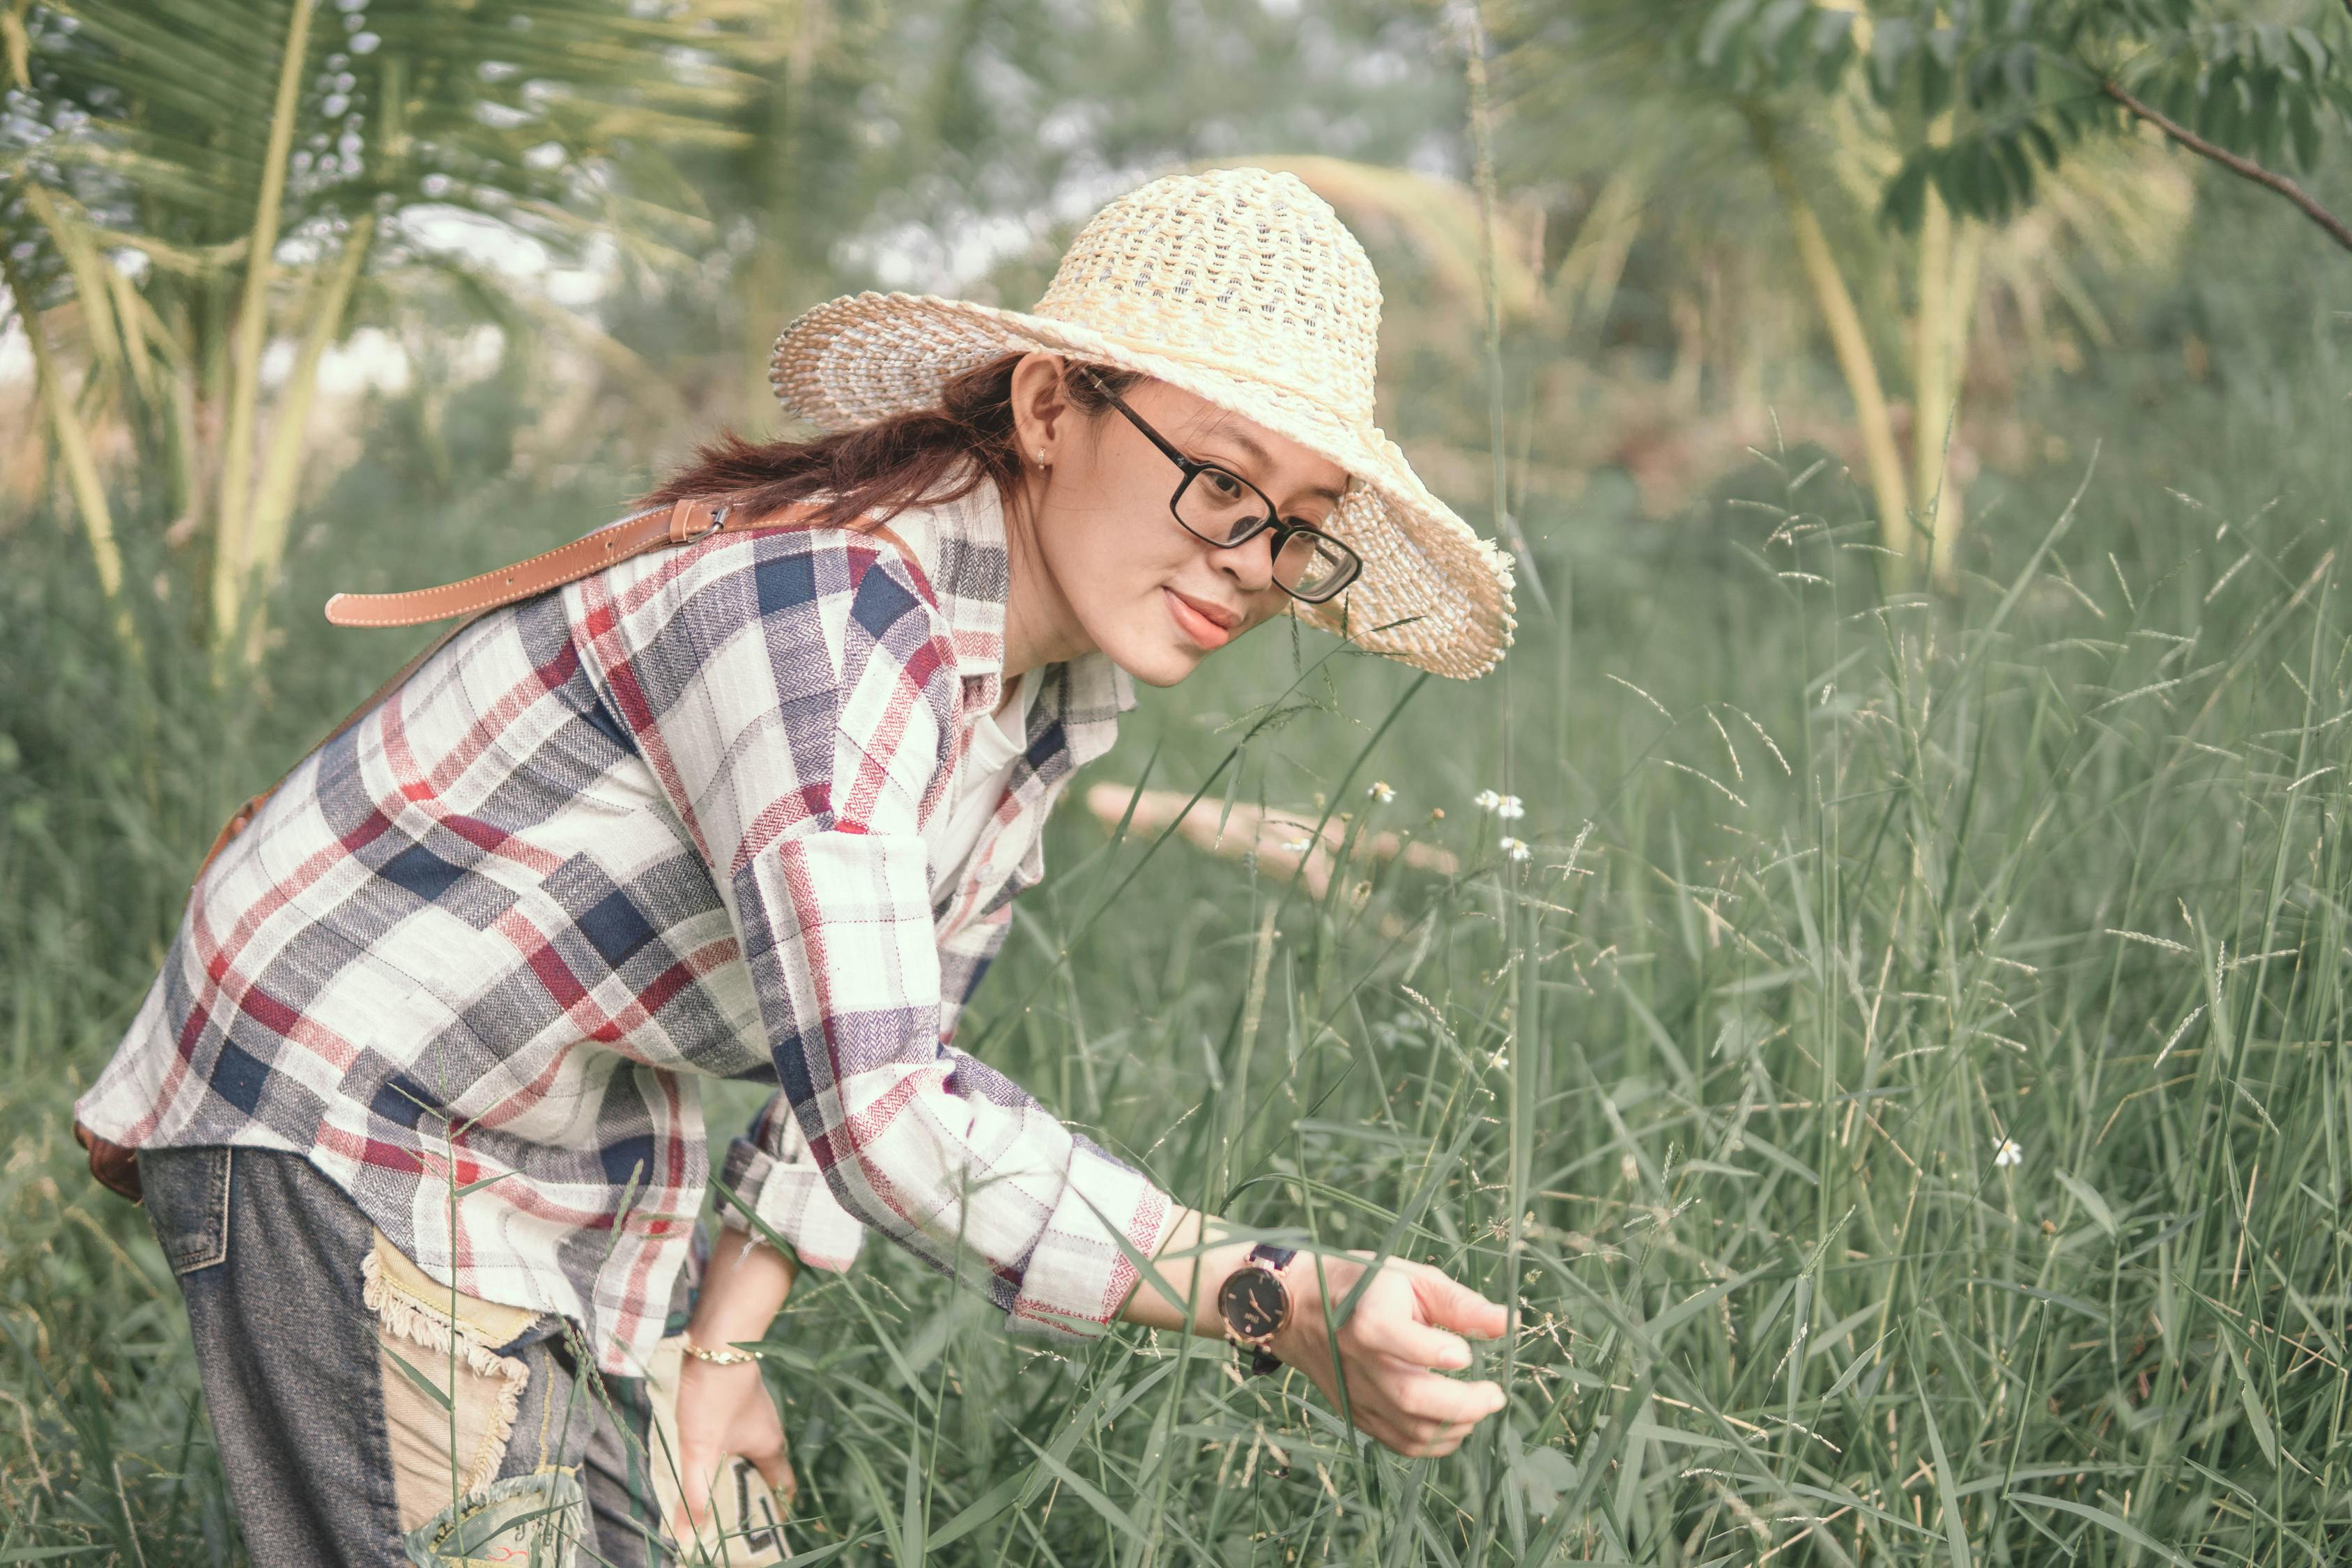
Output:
x,y
1226,487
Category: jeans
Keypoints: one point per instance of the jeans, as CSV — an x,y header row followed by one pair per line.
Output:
x,y
337,1376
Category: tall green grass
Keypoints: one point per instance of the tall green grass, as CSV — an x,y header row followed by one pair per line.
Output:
x,y
1829,900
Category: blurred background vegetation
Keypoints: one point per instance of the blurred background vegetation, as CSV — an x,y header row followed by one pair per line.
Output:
x,y
1920,427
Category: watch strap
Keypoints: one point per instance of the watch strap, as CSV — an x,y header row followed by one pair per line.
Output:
x,y
1264,1363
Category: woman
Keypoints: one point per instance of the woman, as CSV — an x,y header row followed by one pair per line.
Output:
x,y
416,1096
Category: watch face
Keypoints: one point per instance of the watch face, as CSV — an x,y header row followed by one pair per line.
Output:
x,y
1253,1302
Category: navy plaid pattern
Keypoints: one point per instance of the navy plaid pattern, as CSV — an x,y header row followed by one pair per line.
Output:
x,y
664,823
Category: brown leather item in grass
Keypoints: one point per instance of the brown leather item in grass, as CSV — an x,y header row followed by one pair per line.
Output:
x,y
116,1168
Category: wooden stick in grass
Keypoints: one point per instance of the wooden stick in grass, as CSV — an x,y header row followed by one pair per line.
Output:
x,y
1281,840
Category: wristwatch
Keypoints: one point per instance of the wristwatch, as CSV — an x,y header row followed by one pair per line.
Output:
x,y
1255,1304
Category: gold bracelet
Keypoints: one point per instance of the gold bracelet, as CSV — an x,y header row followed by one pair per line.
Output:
x,y
716,1358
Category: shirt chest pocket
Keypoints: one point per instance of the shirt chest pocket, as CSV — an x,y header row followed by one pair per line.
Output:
x,y
1008,857
1006,875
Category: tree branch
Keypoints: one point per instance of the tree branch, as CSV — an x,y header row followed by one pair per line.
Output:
x,y
2246,168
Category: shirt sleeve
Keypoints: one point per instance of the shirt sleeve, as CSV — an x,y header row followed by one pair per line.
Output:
x,y
787,1188
964,958
793,697
773,1169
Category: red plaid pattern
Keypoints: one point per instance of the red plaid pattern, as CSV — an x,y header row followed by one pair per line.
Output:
x,y
662,825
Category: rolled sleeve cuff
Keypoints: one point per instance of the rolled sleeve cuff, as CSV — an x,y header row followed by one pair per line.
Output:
x,y
1077,1278
792,1199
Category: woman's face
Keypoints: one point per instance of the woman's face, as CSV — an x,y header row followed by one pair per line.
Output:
x,y
1121,575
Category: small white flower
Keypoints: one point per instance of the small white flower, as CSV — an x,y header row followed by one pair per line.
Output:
x,y
1381,792
1508,808
1298,845
2009,1153
1485,800
1516,848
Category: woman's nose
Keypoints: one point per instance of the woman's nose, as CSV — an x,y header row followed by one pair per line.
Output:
x,y
1249,564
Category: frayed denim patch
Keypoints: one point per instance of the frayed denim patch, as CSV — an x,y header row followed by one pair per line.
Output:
x,y
521,1522
443,1380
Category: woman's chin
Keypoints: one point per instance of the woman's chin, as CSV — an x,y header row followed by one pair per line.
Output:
x,y
1158,663
1168,668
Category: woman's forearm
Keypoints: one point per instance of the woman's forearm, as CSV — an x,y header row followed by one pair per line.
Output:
x,y
745,1282
743,1286
1193,1278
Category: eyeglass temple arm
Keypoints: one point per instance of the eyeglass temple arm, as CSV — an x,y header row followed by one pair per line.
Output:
x,y
1154,436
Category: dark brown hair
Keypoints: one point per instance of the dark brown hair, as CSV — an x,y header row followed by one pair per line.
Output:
x,y
887,464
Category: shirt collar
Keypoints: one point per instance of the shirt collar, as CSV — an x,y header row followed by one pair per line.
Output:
x,y
964,550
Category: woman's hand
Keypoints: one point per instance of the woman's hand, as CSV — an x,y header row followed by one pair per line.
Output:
x,y
723,1411
1410,1319
726,1410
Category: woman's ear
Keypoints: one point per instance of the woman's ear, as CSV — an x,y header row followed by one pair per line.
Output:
x,y
1041,411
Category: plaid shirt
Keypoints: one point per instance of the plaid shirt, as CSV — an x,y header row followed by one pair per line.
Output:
x,y
664,823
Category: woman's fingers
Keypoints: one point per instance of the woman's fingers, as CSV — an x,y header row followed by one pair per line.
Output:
x,y
704,1473
696,1468
1424,1396
1441,1442
1412,1320
777,1472
720,1416
1413,1411
1451,1304
1400,1337
1429,1406
1424,1320
1417,1439
1388,1327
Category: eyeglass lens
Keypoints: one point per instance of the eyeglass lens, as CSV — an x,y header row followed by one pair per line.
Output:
x,y
1224,510
1311,566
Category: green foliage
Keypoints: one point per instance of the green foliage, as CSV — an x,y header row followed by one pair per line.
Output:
x,y
1833,897
153,118
2028,81
882,144
164,165
1830,896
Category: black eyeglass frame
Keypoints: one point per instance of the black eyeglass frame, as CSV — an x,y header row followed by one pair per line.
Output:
x,y
1284,529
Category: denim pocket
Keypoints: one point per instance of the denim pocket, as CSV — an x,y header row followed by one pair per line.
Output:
x,y
187,1203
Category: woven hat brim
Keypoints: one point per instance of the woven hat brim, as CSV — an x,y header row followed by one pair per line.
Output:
x,y
1432,594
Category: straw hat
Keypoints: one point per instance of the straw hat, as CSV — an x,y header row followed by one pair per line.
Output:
x,y
1243,287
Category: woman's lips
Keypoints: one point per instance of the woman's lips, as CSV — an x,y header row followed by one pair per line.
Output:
x,y
1191,620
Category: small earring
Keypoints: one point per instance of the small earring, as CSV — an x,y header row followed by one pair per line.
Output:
x,y
1041,456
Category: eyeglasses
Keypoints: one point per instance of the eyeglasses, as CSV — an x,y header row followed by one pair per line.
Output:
x,y
1221,507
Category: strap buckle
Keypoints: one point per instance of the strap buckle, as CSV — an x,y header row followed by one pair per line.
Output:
x,y
687,508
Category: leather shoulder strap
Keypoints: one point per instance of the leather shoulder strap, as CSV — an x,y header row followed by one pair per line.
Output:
x,y
684,523
473,597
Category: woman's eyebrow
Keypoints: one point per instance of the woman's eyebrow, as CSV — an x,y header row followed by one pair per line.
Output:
x,y
1265,460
